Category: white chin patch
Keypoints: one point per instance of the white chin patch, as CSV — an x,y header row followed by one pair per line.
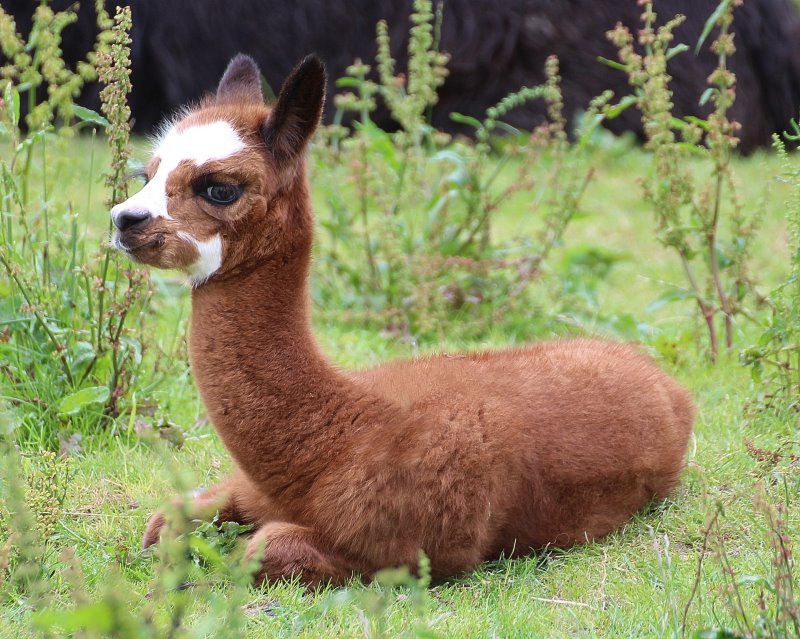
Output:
x,y
209,261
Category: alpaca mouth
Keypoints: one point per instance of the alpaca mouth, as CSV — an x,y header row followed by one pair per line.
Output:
x,y
131,249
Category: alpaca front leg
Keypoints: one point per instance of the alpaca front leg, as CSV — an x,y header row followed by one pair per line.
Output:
x,y
289,551
233,499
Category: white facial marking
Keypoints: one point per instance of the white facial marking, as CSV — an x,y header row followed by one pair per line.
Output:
x,y
199,144
209,261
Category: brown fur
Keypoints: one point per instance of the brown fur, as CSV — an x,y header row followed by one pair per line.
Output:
x,y
464,457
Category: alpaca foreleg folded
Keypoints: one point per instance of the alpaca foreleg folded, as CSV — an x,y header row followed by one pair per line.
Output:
x,y
288,551
235,498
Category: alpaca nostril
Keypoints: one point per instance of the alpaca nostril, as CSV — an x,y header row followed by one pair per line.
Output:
x,y
128,219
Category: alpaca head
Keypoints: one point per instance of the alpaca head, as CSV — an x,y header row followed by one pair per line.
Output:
x,y
222,185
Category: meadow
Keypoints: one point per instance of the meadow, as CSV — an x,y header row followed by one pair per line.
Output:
x,y
101,421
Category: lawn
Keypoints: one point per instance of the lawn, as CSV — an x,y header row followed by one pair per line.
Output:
x,y
641,581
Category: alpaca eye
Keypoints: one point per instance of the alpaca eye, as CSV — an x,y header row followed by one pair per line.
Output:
x,y
222,193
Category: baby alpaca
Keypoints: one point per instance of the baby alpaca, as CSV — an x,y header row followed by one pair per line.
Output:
x,y
465,456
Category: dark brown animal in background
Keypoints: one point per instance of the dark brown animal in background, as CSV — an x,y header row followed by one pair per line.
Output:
x,y
465,457
181,47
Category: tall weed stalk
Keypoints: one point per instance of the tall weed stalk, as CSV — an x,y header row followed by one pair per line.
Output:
x,y
691,213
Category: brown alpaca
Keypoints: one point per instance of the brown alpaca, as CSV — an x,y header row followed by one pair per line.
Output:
x,y
465,457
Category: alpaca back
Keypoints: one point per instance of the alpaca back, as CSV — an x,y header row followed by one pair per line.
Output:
x,y
568,437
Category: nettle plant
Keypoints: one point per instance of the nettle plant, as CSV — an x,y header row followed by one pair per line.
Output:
x,y
68,351
702,222
408,215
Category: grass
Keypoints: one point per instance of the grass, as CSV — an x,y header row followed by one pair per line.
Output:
x,y
637,582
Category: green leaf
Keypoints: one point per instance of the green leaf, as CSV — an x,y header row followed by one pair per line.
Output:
x,y
205,551
673,51
133,346
87,115
712,20
673,295
677,123
793,137
626,102
706,96
612,63
349,83
750,580
78,400
267,91
80,354
448,155
703,124
723,259
507,128
466,119
32,139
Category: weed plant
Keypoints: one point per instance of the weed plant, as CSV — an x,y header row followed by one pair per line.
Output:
x,y
38,569
71,314
689,213
409,244
765,605
775,360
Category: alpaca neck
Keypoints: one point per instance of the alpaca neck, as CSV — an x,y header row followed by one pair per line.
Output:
x,y
268,390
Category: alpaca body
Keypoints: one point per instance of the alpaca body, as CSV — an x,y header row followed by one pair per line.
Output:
x,y
465,457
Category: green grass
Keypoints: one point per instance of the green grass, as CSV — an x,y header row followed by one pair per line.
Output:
x,y
636,582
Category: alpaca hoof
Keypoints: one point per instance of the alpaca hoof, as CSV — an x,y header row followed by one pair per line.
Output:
x,y
152,532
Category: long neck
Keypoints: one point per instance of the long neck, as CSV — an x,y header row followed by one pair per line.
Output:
x,y
269,391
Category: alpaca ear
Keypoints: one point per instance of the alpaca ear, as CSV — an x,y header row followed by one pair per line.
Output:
x,y
296,114
241,81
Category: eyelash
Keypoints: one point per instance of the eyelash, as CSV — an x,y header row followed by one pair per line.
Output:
x,y
137,174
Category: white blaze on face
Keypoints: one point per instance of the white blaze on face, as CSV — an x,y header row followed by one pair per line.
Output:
x,y
198,144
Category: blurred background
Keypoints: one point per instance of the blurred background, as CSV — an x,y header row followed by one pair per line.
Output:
x,y
180,49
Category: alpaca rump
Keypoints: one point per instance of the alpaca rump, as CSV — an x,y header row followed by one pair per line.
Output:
x,y
180,48
465,456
